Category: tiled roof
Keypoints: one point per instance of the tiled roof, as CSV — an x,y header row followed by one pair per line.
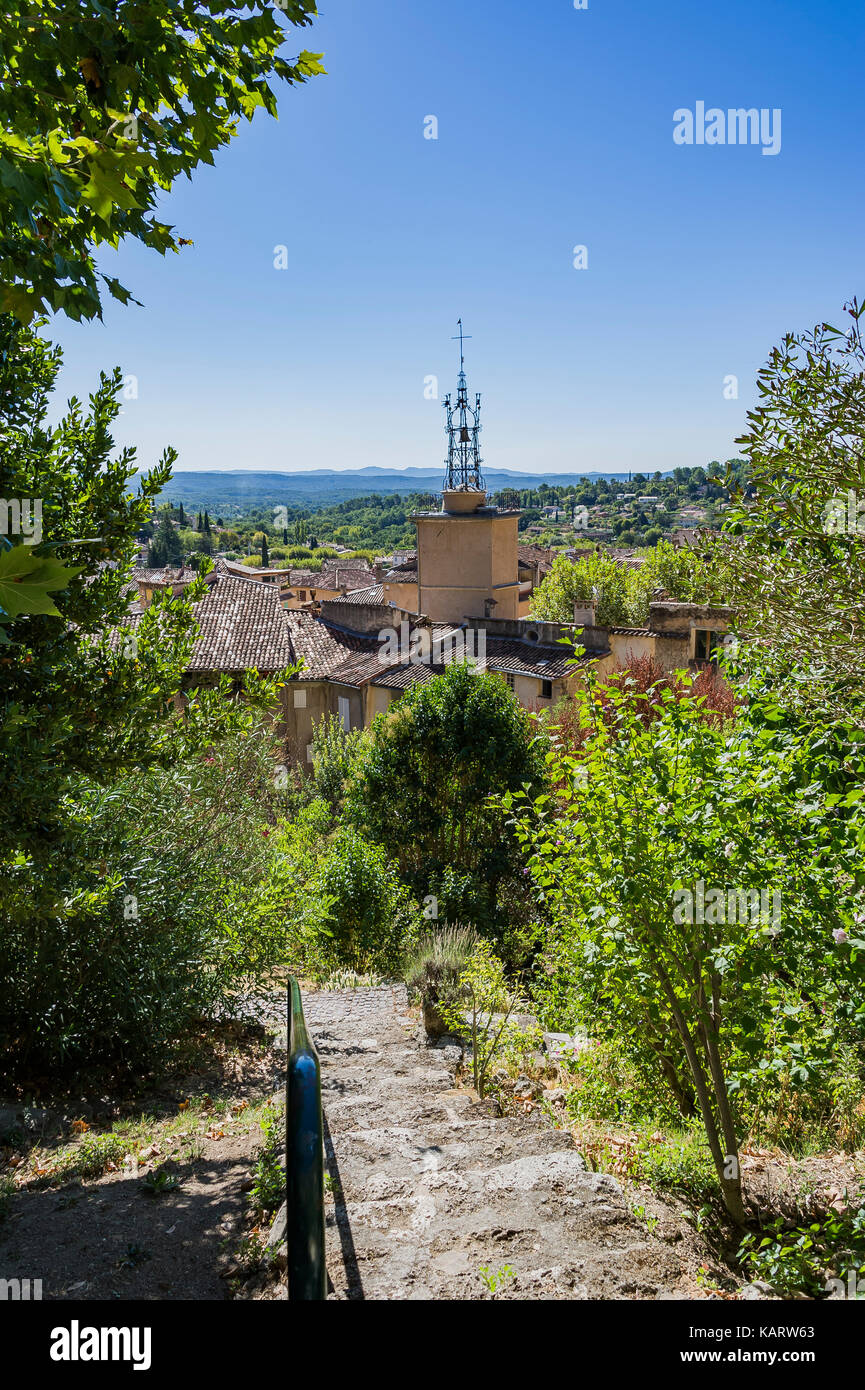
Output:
x,y
254,571
242,625
323,649
401,677
345,578
516,658
372,595
306,579
335,579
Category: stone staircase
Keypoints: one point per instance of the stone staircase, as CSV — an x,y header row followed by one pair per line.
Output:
x,y
429,1187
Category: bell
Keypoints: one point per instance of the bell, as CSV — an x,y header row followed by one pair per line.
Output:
x,y
465,437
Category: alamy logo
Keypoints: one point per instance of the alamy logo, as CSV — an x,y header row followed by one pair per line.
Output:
x,y
732,127
77,1343
422,647
21,516
718,906
844,515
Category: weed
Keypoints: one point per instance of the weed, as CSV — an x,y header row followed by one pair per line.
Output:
x,y
268,1187
796,1260
159,1181
498,1279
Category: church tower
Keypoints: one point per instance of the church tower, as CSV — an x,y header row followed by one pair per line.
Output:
x,y
467,552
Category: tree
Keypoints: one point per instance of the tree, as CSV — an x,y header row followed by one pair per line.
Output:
x,y
165,548
265,558
796,552
101,108
623,595
83,693
703,884
422,786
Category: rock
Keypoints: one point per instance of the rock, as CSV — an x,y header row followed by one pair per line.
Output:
x,y
42,1122
11,1118
758,1289
555,1096
525,1088
433,1022
561,1046
277,1230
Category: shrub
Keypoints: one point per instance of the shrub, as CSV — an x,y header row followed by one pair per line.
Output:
x,y
334,755
143,923
483,1005
432,970
423,788
372,918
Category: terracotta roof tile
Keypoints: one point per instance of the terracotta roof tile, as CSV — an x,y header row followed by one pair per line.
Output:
x,y
242,625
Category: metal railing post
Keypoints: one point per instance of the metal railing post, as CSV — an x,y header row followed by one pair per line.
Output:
x,y
304,1159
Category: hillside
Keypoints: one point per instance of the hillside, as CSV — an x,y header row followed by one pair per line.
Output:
x,y
240,488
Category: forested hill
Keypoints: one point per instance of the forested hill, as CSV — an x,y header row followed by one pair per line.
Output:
x,y
221,490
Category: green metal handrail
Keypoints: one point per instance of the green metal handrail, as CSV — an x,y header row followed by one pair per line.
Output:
x,y
304,1159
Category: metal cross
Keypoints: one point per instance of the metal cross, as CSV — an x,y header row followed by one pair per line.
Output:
x,y
463,337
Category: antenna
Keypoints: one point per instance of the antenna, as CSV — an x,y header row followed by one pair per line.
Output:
x,y
463,431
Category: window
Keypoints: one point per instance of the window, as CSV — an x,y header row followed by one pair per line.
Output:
x,y
510,680
546,690
705,642
302,595
344,712
300,699
309,752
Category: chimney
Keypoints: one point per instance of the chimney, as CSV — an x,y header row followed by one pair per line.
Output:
x,y
585,611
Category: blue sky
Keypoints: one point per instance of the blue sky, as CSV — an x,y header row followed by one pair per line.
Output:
x,y
555,129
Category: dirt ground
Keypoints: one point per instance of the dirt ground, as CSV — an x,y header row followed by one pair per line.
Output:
x,y
113,1236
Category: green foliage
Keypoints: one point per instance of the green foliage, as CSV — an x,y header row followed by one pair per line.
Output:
x,y
268,1183
494,1280
166,547
372,919
142,922
797,1260
730,998
160,1181
290,904
84,692
101,109
623,594
27,579
335,752
795,548
432,970
606,1083
422,789
484,1003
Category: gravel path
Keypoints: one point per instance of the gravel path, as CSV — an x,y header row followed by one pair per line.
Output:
x,y
430,1187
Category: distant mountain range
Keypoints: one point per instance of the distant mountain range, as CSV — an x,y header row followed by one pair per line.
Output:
x,y
325,486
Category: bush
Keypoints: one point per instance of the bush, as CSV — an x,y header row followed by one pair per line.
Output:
x,y
143,923
334,755
432,970
423,789
372,918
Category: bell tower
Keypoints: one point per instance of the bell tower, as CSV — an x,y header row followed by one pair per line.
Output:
x,y
467,552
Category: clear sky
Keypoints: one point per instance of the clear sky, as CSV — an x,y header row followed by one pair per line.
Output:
x,y
555,129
